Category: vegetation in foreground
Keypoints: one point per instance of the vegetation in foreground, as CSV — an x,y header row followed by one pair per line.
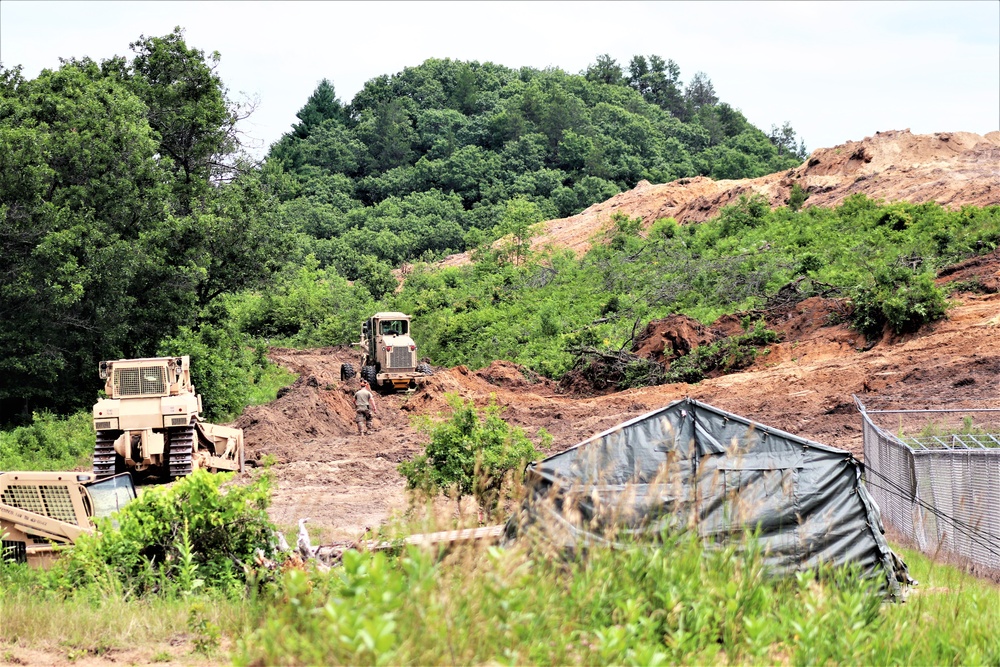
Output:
x,y
182,563
520,604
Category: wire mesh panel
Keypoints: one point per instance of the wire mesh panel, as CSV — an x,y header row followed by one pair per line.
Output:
x,y
937,479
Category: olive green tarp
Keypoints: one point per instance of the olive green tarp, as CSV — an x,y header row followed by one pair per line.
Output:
x,y
691,465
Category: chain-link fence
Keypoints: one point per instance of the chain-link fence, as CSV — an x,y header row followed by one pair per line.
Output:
x,y
935,475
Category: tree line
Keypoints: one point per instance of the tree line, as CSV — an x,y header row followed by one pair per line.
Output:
x,y
422,163
133,223
126,210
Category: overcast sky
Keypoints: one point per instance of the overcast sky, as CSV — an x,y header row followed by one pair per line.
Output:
x,y
836,71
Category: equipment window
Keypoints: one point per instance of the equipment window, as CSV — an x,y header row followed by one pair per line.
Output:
x,y
393,327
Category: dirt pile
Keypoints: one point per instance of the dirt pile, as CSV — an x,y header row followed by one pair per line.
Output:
x,y
951,168
664,340
977,274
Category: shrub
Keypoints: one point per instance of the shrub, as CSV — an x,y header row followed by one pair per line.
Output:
x,y
797,197
470,454
898,298
48,443
727,355
180,538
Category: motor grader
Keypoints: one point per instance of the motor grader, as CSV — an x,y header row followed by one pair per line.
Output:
x,y
150,423
41,511
388,353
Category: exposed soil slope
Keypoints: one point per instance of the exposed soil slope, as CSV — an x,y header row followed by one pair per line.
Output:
x,y
345,483
951,168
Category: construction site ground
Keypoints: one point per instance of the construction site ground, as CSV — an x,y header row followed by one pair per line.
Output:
x,y
344,483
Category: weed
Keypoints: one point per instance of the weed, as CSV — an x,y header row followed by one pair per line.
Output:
x,y
206,633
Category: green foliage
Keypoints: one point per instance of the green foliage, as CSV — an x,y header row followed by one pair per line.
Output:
x,y
536,313
48,443
469,454
225,366
730,354
481,135
206,633
676,603
898,298
124,212
516,229
797,197
307,306
176,540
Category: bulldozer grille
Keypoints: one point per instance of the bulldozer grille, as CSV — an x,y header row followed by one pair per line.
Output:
x,y
51,501
401,357
178,421
142,381
102,426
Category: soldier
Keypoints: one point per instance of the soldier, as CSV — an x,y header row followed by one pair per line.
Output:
x,y
364,406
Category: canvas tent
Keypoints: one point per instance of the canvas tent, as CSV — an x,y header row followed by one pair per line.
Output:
x,y
693,465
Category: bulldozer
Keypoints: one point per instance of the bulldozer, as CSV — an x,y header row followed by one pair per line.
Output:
x,y
41,511
388,353
150,423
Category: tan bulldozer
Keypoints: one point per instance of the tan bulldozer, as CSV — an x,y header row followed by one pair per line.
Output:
x,y
41,511
150,423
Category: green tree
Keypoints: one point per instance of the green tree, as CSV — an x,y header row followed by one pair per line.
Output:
x,y
516,229
187,108
605,70
321,106
80,190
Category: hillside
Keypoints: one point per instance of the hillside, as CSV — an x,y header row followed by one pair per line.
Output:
x,y
803,384
953,169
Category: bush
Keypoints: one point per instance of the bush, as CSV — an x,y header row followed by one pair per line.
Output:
x,y
49,443
470,454
899,298
727,355
176,539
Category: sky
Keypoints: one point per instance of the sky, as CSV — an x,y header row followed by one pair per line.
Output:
x,y
836,71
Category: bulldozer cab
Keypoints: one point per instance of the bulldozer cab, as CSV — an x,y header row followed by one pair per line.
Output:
x,y
146,378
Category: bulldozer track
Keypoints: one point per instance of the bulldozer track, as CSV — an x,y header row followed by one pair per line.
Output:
x,y
104,453
180,450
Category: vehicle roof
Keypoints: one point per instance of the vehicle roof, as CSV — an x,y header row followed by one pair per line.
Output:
x,y
391,314
119,361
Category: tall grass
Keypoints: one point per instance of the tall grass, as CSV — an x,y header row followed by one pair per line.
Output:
x,y
677,603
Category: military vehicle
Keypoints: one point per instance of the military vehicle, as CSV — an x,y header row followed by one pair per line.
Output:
x,y
40,511
388,354
150,423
